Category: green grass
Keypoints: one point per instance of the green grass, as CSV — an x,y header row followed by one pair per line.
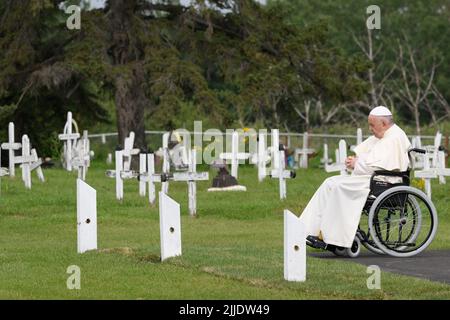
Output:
x,y
233,249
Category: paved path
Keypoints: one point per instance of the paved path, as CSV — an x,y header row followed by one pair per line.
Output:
x,y
431,265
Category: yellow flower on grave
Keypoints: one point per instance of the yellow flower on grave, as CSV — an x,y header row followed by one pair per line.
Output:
x,y
418,183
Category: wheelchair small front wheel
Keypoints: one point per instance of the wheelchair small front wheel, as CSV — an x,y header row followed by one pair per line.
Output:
x,y
355,249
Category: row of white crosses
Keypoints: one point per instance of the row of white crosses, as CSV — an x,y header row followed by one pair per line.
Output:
x,y
28,161
148,177
432,163
277,159
77,153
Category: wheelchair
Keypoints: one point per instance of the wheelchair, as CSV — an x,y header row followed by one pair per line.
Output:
x,y
397,220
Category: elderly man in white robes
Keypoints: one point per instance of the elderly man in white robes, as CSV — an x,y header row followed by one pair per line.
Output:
x,y
333,213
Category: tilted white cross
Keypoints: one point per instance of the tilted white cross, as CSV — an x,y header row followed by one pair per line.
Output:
x,y
82,156
129,151
11,146
69,139
29,161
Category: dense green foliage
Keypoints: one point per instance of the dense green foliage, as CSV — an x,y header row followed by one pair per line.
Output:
x,y
157,65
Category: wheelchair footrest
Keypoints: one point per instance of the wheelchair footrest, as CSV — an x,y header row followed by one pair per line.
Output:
x,y
315,242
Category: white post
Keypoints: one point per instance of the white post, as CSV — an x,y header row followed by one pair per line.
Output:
x,y
11,149
304,154
69,142
151,183
119,168
192,186
262,156
26,172
234,152
275,148
342,155
426,167
325,155
281,180
170,227
86,217
103,139
294,248
441,166
142,169
166,162
359,136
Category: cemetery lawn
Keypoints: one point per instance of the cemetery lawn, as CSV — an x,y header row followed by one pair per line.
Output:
x,y
233,249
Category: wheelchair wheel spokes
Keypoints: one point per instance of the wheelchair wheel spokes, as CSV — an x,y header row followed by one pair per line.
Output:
x,y
364,234
402,221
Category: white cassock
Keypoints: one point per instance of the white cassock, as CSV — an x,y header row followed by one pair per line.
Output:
x,y
335,209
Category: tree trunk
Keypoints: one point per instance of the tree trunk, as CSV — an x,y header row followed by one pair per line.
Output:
x,y
130,96
130,102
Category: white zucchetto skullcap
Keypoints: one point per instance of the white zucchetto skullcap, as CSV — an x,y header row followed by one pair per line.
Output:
x,y
380,111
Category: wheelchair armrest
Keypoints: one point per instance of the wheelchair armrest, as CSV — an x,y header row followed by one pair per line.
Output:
x,y
401,174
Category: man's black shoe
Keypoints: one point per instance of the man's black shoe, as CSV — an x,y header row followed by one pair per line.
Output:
x,y
315,242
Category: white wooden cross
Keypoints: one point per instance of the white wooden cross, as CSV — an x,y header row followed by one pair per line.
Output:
x,y
70,138
294,248
341,155
129,151
304,152
11,146
82,156
235,155
282,174
29,161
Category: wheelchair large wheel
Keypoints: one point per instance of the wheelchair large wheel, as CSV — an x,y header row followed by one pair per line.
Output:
x,y
364,235
402,221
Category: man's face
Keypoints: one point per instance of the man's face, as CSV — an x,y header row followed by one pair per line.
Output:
x,y
377,126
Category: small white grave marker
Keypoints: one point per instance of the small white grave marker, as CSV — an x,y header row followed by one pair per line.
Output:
x,y
341,155
86,217
294,248
170,227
